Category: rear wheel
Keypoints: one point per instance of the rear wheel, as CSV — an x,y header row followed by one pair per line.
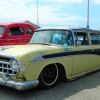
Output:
x,y
49,76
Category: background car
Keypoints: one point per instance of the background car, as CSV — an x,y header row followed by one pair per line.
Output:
x,y
15,33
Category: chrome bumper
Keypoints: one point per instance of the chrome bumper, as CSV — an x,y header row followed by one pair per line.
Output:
x,y
19,85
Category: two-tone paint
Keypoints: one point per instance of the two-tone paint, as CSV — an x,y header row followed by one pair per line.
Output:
x,y
75,60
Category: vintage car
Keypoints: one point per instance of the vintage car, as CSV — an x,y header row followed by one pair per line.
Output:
x,y
14,33
52,54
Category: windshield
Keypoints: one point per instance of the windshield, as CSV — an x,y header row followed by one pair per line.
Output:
x,y
57,37
2,28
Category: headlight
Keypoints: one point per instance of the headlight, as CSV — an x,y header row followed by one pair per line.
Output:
x,y
14,64
18,66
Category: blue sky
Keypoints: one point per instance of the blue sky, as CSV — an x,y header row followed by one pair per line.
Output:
x,y
52,13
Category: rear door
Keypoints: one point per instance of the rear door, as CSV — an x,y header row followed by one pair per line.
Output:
x,y
82,54
95,41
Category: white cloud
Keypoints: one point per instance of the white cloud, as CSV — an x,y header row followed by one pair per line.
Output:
x,y
17,10
48,16
27,10
95,1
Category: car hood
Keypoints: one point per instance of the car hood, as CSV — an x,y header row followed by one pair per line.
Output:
x,y
20,50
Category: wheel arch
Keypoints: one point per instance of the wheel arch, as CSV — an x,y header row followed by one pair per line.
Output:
x,y
61,70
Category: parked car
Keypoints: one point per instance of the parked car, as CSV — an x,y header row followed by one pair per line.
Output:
x,y
15,33
52,54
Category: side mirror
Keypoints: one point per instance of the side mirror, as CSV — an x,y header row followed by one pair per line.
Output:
x,y
78,43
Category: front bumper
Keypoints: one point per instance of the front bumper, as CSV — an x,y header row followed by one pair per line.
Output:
x,y
19,85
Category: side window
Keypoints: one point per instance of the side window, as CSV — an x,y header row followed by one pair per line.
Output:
x,y
16,31
2,28
63,38
29,31
95,38
83,37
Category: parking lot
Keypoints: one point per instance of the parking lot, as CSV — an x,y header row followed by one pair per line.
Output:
x,y
85,88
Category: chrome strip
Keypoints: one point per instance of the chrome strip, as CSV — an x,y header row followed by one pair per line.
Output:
x,y
19,85
41,56
8,56
5,62
73,36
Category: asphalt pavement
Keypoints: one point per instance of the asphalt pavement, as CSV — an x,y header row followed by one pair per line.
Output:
x,y
85,88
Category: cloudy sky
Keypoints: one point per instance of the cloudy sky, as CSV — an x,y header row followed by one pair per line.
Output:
x,y
64,13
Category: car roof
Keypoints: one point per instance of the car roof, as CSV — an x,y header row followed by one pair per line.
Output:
x,y
77,29
53,28
13,23
80,29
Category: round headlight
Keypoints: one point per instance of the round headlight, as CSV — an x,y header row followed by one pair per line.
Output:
x,y
14,64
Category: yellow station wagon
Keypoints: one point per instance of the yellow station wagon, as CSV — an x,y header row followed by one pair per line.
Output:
x,y
51,55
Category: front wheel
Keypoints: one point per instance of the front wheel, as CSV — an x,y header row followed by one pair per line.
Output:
x,y
49,76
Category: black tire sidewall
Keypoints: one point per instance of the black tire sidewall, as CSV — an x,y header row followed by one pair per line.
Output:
x,y
44,86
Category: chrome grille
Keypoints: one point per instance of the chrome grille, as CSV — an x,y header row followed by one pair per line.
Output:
x,y
5,67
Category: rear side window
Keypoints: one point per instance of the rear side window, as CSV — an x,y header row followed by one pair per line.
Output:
x,y
95,38
83,37
29,31
16,31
